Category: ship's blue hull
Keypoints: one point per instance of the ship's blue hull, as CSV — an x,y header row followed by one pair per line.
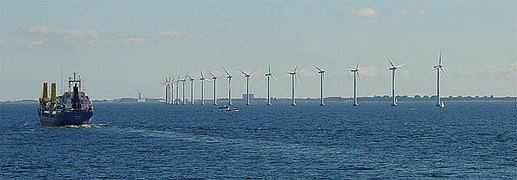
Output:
x,y
66,118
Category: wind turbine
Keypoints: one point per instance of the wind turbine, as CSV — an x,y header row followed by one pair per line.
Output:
x,y
393,68
183,87
269,75
229,86
178,90
167,87
356,74
247,76
202,79
293,74
439,68
171,96
322,75
214,78
191,89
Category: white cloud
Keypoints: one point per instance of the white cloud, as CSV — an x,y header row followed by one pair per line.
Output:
x,y
457,1
401,11
490,70
57,35
62,32
364,12
171,34
372,71
409,11
32,44
118,39
508,70
421,12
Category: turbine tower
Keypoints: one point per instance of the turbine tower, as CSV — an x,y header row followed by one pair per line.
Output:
x,y
393,68
269,75
229,86
293,75
439,68
356,74
202,79
166,83
247,76
191,89
171,96
171,90
214,78
322,75
183,87
178,90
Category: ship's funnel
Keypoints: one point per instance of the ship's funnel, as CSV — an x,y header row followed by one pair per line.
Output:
x,y
44,97
53,93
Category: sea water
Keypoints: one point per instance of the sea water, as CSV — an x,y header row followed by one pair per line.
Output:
x,y
373,140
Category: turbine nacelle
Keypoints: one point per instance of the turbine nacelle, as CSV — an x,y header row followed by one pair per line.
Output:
x,y
293,72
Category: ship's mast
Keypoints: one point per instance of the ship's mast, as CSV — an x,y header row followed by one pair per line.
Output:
x,y
73,81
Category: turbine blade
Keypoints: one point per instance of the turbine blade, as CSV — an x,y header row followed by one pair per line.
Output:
x,y
274,78
444,72
295,68
269,69
226,71
254,71
186,75
212,74
242,72
297,80
390,62
360,78
357,66
440,60
202,76
400,65
317,67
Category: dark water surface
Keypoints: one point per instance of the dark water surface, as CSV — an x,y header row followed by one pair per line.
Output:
x,y
373,140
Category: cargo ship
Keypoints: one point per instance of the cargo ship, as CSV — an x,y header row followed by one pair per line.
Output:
x,y
72,108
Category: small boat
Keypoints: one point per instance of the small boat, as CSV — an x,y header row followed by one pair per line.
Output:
x,y
228,108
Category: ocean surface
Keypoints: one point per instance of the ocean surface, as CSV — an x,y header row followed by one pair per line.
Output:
x,y
374,140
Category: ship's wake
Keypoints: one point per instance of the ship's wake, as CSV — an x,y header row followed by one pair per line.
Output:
x,y
86,126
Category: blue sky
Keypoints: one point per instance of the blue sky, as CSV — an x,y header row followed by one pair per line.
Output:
x,y
121,47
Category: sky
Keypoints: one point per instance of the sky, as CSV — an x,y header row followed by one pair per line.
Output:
x,y
122,47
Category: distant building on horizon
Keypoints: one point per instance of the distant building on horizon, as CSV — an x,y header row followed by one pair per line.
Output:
x,y
140,99
244,96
